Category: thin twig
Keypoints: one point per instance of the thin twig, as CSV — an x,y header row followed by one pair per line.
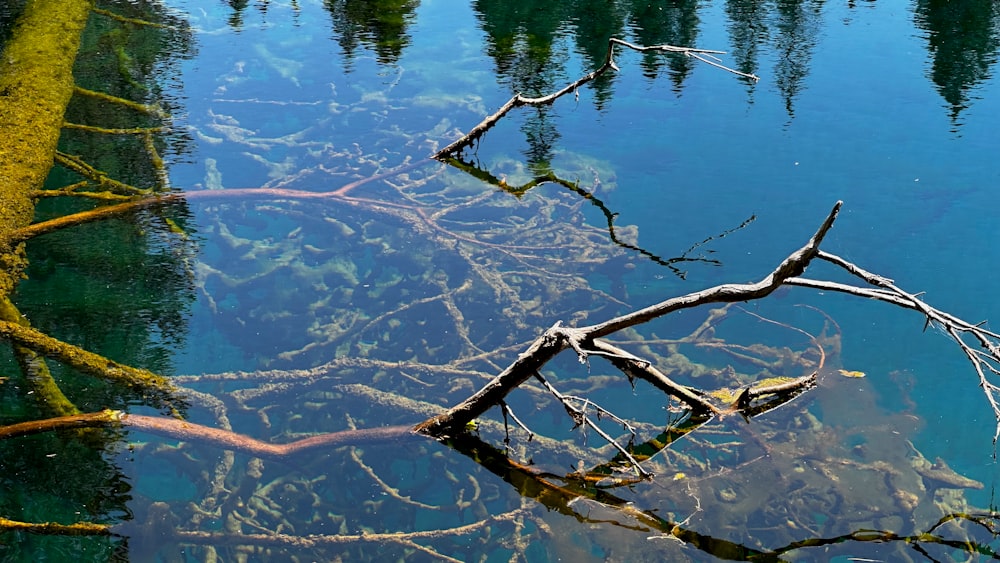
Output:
x,y
580,418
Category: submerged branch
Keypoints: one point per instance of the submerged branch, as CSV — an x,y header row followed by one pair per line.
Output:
x,y
97,214
76,164
154,111
225,439
408,540
90,363
55,529
35,370
125,19
114,131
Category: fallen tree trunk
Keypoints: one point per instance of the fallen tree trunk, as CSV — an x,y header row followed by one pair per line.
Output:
x,y
36,84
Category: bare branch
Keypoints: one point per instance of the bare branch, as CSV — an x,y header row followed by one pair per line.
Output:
x,y
609,63
558,338
86,362
634,367
580,418
225,439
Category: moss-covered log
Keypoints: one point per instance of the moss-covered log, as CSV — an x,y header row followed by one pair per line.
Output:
x,y
150,384
36,83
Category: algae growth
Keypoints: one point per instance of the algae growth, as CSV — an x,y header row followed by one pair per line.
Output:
x,y
36,84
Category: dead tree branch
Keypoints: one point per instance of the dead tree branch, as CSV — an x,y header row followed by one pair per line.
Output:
x,y
55,529
558,338
609,63
183,430
580,418
983,361
88,362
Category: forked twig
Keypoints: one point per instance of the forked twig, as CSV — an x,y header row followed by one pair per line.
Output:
x,y
983,361
580,418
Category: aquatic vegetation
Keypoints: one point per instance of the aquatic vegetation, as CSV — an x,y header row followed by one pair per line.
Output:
x,y
366,307
36,84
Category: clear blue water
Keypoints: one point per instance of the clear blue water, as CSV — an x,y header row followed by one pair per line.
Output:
x,y
890,107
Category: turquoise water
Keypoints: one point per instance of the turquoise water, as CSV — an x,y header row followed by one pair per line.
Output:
x,y
279,316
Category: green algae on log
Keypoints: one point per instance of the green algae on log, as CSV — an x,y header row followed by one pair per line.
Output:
x,y
155,386
36,84
43,386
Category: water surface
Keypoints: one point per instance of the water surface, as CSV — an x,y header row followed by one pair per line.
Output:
x,y
286,315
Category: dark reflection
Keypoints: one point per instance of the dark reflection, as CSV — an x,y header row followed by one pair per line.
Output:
x,y
379,25
749,34
520,38
542,136
119,288
673,23
237,17
548,176
9,11
577,496
788,28
58,478
563,494
594,22
238,6
797,25
962,38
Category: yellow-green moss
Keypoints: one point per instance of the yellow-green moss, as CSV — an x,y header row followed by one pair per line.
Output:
x,y
36,83
43,386
84,361
53,528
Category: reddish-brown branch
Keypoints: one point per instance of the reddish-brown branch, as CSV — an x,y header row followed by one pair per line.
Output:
x,y
241,194
187,431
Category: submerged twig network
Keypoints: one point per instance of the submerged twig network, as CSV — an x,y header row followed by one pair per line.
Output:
x,y
404,291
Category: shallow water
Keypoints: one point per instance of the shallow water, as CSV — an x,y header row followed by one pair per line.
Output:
x,y
283,315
